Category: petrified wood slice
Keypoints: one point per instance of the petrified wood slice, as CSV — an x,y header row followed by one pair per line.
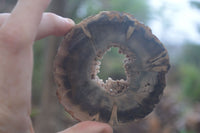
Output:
x,y
84,95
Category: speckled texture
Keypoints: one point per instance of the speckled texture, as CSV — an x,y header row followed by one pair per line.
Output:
x,y
80,90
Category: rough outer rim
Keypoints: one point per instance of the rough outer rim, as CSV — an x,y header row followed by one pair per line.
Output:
x,y
151,61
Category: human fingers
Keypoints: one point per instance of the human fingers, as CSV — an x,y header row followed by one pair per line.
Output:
x,y
89,127
24,20
52,24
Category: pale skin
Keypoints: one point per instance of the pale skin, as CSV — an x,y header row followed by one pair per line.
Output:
x,y
18,31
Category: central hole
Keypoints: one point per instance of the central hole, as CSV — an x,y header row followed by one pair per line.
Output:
x,y
112,65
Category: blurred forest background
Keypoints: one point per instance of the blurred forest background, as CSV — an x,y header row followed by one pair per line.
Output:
x,y
175,22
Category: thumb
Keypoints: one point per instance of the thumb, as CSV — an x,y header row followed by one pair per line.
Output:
x,y
89,127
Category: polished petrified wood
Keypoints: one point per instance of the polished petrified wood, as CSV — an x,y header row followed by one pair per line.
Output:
x,y
84,95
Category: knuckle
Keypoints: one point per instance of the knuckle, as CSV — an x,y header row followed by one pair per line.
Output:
x,y
14,36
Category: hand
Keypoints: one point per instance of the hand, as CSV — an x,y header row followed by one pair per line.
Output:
x,y
89,127
18,31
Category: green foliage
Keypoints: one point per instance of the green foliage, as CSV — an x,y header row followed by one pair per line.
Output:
x,y
190,81
186,131
191,54
189,66
37,71
112,65
140,9
34,112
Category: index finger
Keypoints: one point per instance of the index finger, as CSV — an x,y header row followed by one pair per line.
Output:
x,y
25,18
